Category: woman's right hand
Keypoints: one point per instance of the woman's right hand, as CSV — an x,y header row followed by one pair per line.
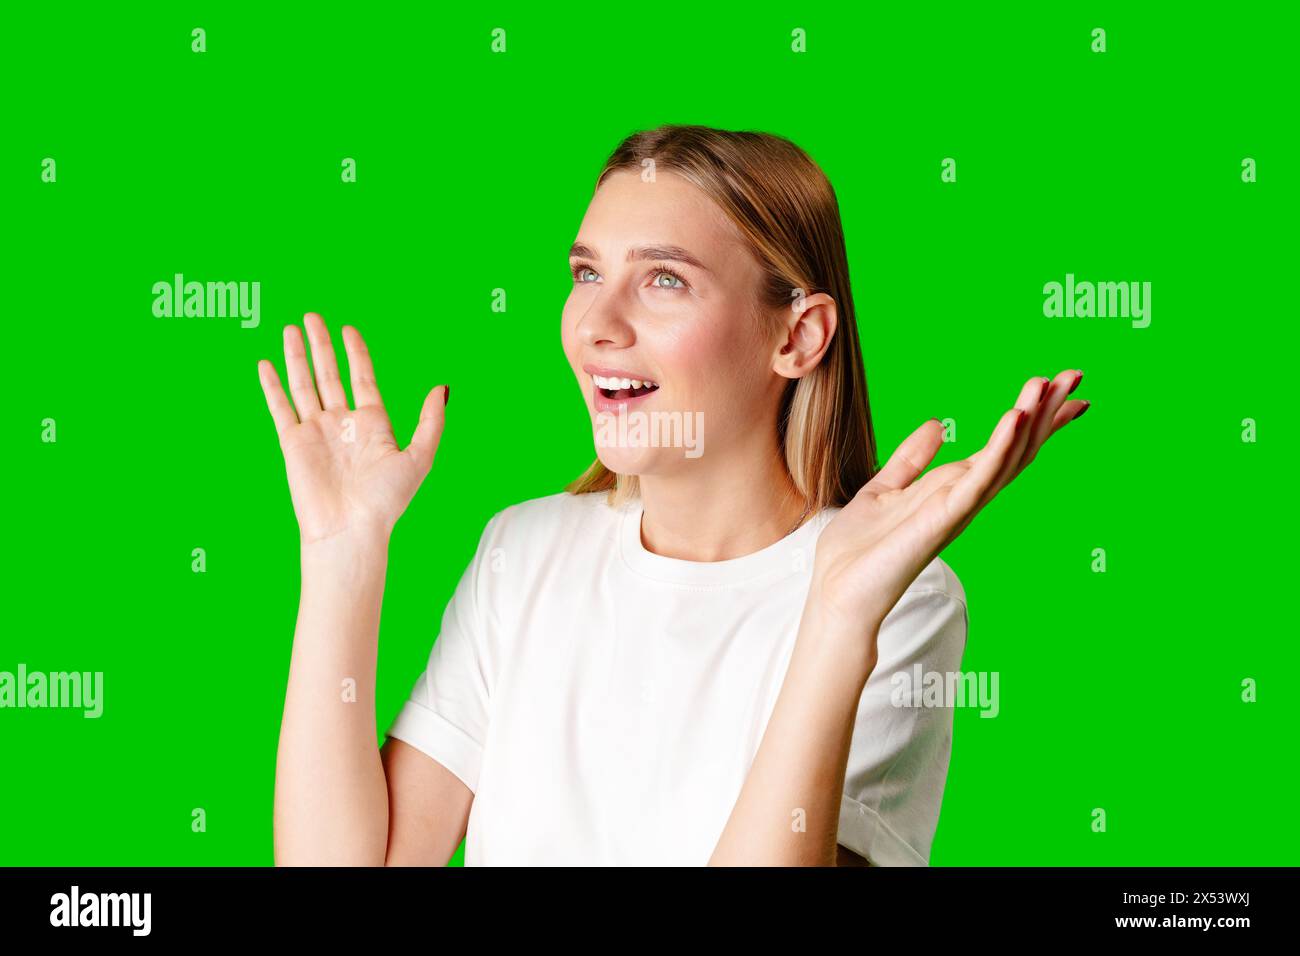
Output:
x,y
346,473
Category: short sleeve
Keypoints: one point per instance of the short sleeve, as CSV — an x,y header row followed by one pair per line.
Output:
x,y
446,715
898,758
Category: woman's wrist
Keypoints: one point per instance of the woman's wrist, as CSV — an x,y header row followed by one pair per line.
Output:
x,y
351,555
839,640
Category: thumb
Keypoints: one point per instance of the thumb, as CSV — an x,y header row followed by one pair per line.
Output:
x,y
424,443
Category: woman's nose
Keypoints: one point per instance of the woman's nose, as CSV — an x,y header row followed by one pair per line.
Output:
x,y
606,322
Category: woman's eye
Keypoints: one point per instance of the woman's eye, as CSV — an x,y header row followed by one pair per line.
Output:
x,y
663,278
674,281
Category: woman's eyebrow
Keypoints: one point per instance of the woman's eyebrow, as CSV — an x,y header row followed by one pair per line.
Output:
x,y
672,253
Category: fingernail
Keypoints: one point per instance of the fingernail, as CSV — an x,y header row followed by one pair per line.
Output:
x,y
446,394
1086,406
1076,383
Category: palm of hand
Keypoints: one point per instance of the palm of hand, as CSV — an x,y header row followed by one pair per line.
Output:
x,y
896,524
346,465
346,472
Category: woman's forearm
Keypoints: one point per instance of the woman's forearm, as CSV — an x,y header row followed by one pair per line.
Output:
x,y
331,797
788,810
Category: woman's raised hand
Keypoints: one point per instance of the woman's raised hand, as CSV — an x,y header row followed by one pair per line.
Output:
x,y
897,523
347,474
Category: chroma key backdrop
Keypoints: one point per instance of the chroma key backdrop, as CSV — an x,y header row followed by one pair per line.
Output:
x,y
1084,186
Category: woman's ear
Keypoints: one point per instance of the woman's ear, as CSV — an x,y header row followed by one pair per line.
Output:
x,y
806,332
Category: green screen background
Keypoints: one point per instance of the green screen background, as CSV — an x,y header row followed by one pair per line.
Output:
x,y
1119,690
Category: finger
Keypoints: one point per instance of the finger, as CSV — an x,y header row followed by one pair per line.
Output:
x,y
1031,393
911,458
328,383
972,490
276,401
365,390
424,443
1029,401
1070,411
1045,422
300,386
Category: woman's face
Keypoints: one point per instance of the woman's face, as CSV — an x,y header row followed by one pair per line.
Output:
x,y
665,292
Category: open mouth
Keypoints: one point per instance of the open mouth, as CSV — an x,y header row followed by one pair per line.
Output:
x,y
623,388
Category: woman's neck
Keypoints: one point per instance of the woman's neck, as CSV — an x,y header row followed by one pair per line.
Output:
x,y
712,516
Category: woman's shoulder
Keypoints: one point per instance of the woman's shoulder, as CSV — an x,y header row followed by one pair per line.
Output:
x,y
939,576
552,519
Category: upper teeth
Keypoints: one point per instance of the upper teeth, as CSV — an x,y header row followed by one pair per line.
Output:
x,y
616,383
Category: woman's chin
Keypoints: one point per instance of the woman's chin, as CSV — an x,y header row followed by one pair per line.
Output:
x,y
632,461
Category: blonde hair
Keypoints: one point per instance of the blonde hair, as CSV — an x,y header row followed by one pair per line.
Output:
x,y
786,211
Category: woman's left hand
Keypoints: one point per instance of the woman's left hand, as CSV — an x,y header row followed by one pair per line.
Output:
x,y
873,550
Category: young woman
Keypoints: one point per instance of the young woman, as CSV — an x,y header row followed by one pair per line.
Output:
x,y
686,657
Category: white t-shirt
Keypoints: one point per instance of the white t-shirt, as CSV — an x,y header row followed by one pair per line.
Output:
x,y
604,703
